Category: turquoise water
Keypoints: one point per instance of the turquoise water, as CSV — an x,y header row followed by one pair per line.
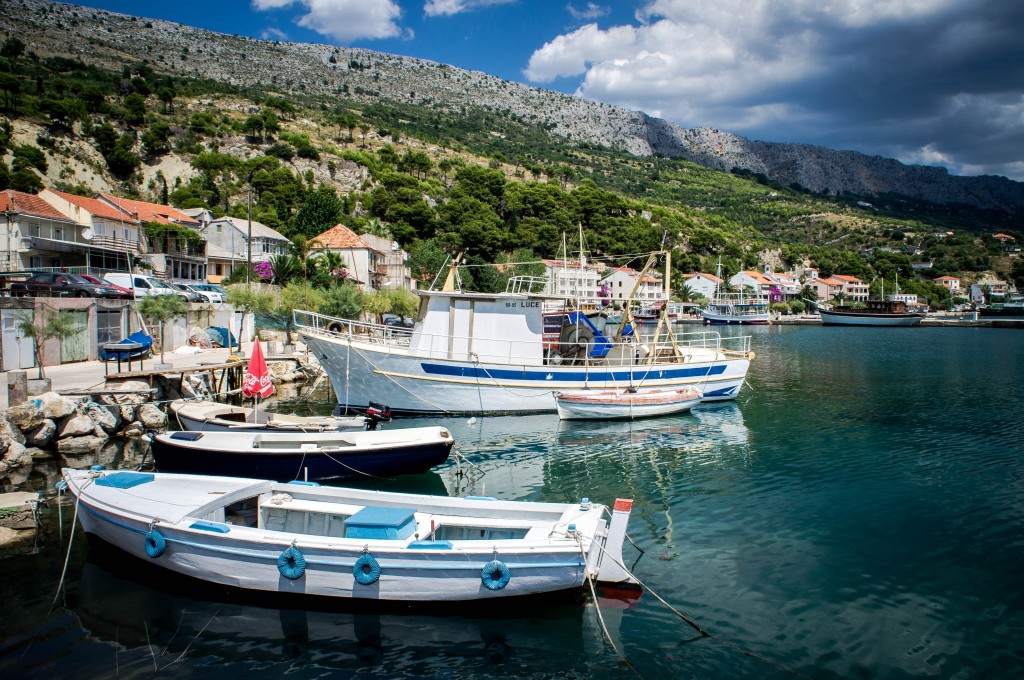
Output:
x,y
859,512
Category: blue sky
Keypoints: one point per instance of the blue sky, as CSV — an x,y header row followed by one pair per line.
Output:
x,y
936,82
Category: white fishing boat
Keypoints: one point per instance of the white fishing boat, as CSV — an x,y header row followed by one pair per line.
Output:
x,y
213,416
624,404
487,353
739,308
347,543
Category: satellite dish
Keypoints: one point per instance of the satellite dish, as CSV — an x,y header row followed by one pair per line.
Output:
x,y
87,234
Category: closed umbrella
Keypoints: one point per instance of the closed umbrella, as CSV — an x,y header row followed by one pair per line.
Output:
x,y
256,381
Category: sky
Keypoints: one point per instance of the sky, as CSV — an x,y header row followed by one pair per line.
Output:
x,y
932,82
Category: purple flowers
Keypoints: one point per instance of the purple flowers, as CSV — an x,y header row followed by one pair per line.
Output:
x,y
264,270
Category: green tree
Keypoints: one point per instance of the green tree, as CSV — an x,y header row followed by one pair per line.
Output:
x,y
297,295
60,326
12,48
320,211
256,298
342,300
162,308
134,108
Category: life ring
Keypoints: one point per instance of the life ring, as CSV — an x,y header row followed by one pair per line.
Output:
x,y
366,569
291,563
155,544
495,575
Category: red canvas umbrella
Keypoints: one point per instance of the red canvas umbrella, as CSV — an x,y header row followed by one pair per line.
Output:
x,y
256,382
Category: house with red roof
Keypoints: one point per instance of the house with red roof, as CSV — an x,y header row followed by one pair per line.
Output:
x,y
365,265
949,282
35,235
703,284
114,240
176,249
621,281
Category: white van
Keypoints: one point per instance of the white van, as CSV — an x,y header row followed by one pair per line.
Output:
x,y
141,284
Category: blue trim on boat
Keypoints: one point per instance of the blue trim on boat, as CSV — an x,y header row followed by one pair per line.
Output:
x,y
213,527
124,479
549,374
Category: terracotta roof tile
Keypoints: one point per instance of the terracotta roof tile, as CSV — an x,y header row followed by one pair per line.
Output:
x,y
29,204
151,212
341,237
96,207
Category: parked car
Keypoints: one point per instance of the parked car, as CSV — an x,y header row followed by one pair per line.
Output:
x,y
56,283
187,292
140,284
212,292
126,293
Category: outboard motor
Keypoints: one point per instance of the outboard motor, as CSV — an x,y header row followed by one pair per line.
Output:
x,y
377,413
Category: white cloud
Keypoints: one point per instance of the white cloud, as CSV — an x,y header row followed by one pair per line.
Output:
x,y
344,20
591,11
273,34
437,8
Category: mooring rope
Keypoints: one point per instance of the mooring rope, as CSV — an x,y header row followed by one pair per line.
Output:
x,y
695,626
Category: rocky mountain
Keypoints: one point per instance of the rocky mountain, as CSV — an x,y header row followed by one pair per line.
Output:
x,y
114,40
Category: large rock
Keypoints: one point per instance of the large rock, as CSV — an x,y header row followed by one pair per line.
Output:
x,y
107,417
77,425
76,446
41,435
11,538
9,431
54,406
151,417
16,465
133,430
27,416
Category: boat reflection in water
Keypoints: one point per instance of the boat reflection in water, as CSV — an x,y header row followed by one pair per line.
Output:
x,y
116,604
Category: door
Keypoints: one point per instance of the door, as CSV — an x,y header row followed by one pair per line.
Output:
x,y
76,347
108,326
19,352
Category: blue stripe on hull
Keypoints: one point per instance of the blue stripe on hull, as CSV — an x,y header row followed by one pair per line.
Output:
x,y
575,376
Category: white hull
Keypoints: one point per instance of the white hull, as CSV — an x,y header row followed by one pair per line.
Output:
x,y
191,517
361,372
623,405
853,319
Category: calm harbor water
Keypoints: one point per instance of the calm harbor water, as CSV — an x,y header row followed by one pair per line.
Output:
x,y
859,512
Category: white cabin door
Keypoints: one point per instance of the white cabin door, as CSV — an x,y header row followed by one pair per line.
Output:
x,y
19,352
461,328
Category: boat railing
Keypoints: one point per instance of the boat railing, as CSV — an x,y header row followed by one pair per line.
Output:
x,y
521,285
640,350
336,326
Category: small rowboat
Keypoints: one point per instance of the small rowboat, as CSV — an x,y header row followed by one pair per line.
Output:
x,y
313,456
624,404
212,416
306,539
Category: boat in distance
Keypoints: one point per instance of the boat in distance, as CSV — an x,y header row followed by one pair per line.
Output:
x,y
313,456
306,539
214,416
624,404
874,313
489,353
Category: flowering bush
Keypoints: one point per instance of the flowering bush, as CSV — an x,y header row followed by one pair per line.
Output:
x,y
264,270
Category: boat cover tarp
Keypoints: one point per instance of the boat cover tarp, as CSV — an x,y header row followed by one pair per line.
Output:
x,y
601,343
139,337
221,336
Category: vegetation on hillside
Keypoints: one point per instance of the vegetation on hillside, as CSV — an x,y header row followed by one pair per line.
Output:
x,y
493,184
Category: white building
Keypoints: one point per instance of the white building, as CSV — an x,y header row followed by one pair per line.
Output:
x,y
703,284
621,281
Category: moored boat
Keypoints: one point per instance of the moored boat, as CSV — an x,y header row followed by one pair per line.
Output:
x,y
487,353
873,313
735,308
336,542
313,456
212,416
624,404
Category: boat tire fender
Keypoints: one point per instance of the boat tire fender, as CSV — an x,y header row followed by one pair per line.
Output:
x,y
495,575
155,544
366,570
291,563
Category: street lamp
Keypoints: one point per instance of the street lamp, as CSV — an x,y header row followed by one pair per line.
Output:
x,y
248,241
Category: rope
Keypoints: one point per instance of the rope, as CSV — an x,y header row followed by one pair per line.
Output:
x,y
695,626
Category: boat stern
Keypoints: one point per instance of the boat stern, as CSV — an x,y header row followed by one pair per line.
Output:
x,y
610,567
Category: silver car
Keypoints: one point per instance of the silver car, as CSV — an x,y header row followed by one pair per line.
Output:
x,y
187,292
212,292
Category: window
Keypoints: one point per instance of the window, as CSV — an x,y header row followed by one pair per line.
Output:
x,y
219,268
33,229
108,326
141,282
58,232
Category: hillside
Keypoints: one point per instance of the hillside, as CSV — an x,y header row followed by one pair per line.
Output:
x,y
366,77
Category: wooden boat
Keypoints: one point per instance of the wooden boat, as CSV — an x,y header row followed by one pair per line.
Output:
x,y
624,404
349,543
313,456
873,313
212,416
